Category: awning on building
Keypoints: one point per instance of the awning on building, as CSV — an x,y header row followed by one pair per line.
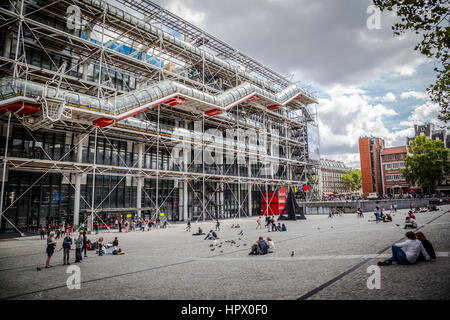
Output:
x,y
443,188
328,193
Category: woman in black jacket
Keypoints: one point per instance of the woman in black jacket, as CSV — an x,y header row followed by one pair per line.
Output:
x,y
428,247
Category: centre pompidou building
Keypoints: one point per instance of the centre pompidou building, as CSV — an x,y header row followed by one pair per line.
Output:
x,y
128,110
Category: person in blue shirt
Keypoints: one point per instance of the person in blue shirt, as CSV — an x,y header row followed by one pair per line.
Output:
x,y
210,235
67,243
283,227
263,246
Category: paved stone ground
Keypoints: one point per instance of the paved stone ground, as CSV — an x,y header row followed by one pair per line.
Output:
x,y
330,262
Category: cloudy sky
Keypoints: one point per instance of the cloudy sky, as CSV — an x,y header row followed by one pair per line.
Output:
x,y
368,82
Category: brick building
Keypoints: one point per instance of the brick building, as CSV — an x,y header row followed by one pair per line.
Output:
x,y
370,152
393,161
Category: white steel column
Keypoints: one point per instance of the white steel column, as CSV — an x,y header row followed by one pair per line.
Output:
x,y
77,197
186,150
91,220
5,160
140,180
249,188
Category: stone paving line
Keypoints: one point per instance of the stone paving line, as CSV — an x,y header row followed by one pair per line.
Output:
x,y
443,254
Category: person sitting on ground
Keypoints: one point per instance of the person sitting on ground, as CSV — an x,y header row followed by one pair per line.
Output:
x,y
232,226
279,226
199,232
387,218
210,235
271,245
283,227
413,248
100,248
255,249
428,247
410,223
411,215
263,246
237,226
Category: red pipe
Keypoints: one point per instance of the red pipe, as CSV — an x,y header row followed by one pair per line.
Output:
x,y
28,108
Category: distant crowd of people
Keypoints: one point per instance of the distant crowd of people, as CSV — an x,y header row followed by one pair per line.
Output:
x,y
82,245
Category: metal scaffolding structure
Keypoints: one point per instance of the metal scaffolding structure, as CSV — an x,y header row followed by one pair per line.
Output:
x,y
108,110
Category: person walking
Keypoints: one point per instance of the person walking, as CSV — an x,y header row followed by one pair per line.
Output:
x,y
217,225
78,247
188,226
67,243
42,232
51,243
85,242
258,223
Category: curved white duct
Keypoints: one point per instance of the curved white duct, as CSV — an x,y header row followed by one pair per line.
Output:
x,y
129,104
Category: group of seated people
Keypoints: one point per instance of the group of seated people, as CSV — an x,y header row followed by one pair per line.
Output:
x,y
235,226
279,227
410,221
416,248
102,248
262,246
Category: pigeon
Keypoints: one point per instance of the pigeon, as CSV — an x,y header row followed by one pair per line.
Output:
x,y
213,249
220,246
245,244
38,269
237,246
240,239
241,233
221,251
332,226
318,228
292,253
397,225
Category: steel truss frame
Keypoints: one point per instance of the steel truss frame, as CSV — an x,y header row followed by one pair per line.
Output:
x,y
20,27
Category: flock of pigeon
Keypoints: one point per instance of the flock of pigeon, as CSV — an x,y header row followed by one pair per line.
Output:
x,y
230,242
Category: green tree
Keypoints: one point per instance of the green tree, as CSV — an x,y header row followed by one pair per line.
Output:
x,y
352,179
430,18
428,163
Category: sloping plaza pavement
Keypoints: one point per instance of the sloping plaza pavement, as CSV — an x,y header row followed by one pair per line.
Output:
x,y
331,257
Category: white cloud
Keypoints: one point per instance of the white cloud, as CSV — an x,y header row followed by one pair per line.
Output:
x,y
345,117
195,17
414,94
389,97
422,113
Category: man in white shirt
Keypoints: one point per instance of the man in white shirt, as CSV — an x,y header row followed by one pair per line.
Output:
x,y
412,247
